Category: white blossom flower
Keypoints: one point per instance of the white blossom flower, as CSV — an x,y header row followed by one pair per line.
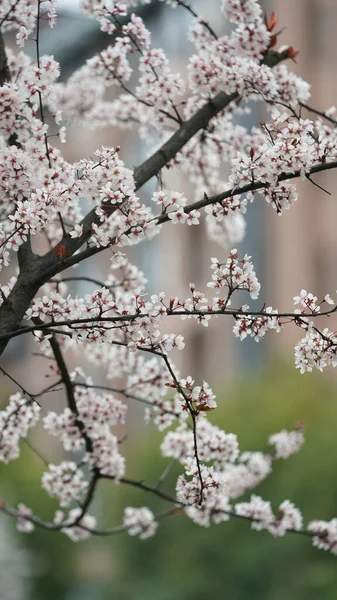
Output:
x,y
77,231
287,442
140,521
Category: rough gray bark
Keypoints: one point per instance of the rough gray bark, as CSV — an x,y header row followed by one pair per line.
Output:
x,y
14,307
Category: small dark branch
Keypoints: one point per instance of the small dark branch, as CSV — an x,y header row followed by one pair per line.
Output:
x,y
320,113
56,331
37,452
11,512
134,95
164,474
204,23
9,12
96,322
80,278
145,487
38,18
237,313
232,513
126,394
194,422
89,496
134,41
50,389
106,532
58,526
51,327
250,187
317,185
69,388
23,390
9,237
64,375
123,528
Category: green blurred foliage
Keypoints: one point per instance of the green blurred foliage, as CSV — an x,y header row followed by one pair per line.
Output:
x,y
187,562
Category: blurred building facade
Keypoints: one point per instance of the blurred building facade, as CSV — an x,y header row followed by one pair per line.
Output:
x,y
302,244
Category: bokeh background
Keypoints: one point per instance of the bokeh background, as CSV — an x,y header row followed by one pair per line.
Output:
x,y
258,389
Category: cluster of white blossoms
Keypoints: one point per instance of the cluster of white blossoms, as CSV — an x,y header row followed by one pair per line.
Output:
x,y
235,274
75,210
318,348
287,443
140,521
76,526
19,416
225,472
65,481
24,524
256,327
326,534
173,204
260,513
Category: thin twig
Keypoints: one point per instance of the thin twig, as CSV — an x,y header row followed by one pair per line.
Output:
x,y
320,113
23,390
97,322
165,473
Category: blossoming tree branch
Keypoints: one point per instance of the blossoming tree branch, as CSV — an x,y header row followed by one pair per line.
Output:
x,y
47,231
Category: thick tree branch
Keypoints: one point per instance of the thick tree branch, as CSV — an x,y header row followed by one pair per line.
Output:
x,y
14,307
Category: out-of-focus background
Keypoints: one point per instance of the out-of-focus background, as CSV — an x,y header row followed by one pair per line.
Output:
x,y
258,389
